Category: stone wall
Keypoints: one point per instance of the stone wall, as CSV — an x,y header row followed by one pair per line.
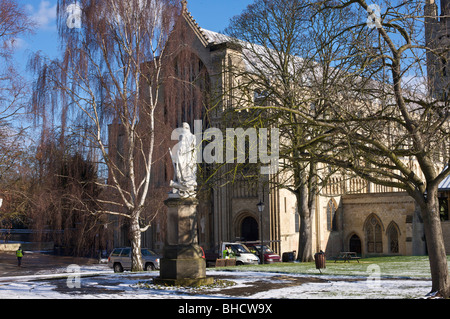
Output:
x,y
12,247
390,210
289,222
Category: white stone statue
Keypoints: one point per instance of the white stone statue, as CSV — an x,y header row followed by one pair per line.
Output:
x,y
184,159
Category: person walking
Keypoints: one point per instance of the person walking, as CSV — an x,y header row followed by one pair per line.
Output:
x,y
19,255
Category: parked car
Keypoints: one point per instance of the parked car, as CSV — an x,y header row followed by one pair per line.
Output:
x,y
203,253
242,254
269,255
120,259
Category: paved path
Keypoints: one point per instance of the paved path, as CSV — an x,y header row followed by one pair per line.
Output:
x,y
36,263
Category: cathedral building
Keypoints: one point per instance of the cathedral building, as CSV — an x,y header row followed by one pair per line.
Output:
x,y
350,214
437,38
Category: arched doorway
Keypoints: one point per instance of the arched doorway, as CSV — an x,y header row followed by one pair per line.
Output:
x,y
354,244
249,229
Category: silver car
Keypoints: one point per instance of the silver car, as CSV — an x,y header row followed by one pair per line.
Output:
x,y
120,259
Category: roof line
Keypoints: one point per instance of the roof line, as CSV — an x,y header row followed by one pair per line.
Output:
x,y
194,25
445,184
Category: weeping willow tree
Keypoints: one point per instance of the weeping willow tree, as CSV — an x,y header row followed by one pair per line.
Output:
x,y
108,84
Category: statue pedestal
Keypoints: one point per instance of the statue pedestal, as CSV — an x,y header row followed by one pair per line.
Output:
x,y
182,263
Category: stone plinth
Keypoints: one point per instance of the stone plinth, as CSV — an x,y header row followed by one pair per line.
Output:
x,y
182,263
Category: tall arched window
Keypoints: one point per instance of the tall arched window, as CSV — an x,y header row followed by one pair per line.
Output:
x,y
188,87
392,234
331,215
373,231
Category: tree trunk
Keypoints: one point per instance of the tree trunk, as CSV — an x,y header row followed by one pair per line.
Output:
x,y
305,240
135,238
435,245
305,235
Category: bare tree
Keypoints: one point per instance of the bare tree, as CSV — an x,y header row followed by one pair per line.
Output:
x,y
14,22
108,87
289,67
375,118
385,126
61,191
16,165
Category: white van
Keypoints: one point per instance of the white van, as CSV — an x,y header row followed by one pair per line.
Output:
x,y
241,253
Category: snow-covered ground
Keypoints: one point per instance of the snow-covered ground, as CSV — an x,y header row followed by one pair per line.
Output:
x,y
99,282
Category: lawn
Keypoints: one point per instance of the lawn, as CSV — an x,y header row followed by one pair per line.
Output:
x,y
387,267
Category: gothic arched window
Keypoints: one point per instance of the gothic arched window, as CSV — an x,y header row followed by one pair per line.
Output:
x,y
393,233
331,215
188,85
373,231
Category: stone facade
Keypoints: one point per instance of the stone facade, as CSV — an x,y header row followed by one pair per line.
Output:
x,y
437,34
393,215
350,214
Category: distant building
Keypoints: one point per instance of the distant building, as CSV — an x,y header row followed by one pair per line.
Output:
x,y
437,38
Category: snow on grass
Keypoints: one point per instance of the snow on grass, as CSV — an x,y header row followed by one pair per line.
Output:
x,y
131,287
389,267
372,278
387,289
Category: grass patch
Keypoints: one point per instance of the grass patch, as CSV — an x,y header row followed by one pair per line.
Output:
x,y
389,267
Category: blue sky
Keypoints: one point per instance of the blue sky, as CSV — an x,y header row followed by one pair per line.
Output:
x,y
213,15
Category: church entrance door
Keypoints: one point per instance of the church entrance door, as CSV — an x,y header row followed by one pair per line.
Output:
x,y
355,244
249,229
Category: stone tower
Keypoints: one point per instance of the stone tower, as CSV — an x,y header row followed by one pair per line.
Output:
x,y
437,37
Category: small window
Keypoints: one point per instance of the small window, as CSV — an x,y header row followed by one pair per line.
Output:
x,y
116,252
332,216
125,252
147,252
443,208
